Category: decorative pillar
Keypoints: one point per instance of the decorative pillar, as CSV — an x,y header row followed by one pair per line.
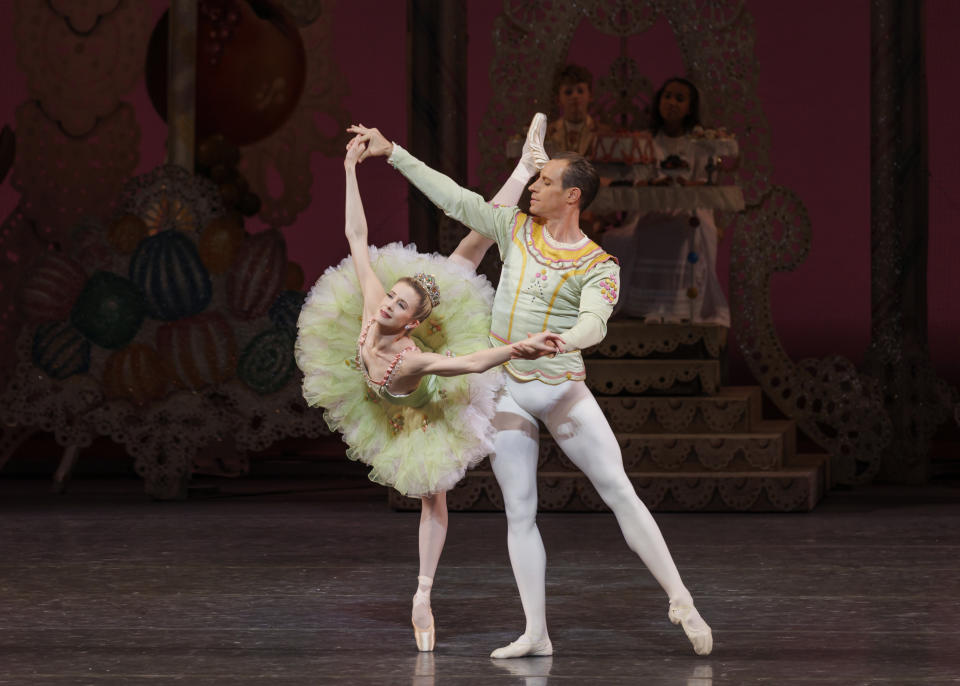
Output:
x,y
182,82
899,356
437,104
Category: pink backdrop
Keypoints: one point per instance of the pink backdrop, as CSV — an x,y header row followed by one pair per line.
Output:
x,y
814,85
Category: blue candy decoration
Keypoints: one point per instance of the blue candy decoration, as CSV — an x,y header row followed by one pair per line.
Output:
x,y
692,257
168,269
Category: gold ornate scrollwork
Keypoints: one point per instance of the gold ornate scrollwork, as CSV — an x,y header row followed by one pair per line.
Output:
x,y
831,401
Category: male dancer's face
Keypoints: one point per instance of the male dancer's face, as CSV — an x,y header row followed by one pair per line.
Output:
x,y
548,198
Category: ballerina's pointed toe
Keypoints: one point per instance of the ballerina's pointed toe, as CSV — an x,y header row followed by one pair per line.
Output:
x,y
426,638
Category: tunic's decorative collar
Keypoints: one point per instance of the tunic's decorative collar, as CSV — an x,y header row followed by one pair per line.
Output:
x,y
549,253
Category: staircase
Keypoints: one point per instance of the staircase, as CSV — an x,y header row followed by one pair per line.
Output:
x,y
688,443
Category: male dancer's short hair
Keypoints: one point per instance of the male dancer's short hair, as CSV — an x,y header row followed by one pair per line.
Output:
x,y
579,173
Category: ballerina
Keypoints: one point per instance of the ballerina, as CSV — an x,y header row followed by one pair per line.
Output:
x,y
418,418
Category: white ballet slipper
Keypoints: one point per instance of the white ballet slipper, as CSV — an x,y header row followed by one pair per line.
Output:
x,y
697,630
524,647
534,153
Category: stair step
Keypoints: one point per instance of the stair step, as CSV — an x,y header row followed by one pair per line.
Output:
x,y
633,377
633,338
732,409
789,489
770,445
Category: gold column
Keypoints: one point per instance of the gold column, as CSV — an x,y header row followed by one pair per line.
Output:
x,y
182,82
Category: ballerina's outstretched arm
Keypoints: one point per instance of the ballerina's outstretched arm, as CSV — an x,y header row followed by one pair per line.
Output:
x,y
355,228
534,346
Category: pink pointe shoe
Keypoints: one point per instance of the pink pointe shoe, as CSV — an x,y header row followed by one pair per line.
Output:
x,y
426,637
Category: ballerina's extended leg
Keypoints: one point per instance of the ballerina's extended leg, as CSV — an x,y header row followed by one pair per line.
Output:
x,y
433,533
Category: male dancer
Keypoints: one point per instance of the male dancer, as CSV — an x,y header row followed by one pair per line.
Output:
x,y
554,278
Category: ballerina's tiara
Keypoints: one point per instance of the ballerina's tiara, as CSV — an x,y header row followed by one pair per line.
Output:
x,y
429,284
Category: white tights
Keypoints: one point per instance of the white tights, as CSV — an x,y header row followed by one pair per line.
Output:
x,y
575,420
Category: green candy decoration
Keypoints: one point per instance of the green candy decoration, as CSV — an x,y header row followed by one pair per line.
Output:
x,y
109,311
267,363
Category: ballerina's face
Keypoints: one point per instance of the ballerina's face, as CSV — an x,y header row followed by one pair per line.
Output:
x,y
399,307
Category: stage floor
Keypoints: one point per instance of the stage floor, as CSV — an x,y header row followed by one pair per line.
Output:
x,y
291,583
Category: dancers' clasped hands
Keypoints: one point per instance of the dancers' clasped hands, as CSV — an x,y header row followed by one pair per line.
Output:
x,y
374,143
537,345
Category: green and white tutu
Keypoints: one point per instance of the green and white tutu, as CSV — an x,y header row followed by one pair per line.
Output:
x,y
421,450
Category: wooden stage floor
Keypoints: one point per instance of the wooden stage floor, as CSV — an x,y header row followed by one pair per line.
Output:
x,y
298,582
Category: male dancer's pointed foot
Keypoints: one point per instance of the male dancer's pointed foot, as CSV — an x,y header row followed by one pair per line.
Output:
x,y
525,647
685,614
534,155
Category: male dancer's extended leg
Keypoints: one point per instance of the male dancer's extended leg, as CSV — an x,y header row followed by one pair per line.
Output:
x,y
577,423
516,450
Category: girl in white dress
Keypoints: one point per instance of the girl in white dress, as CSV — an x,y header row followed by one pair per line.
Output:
x,y
668,259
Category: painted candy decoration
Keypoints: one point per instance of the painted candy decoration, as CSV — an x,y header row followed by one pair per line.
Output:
x,y
285,310
267,363
135,373
257,274
60,351
199,351
250,68
167,212
219,242
51,288
174,281
126,233
109,311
